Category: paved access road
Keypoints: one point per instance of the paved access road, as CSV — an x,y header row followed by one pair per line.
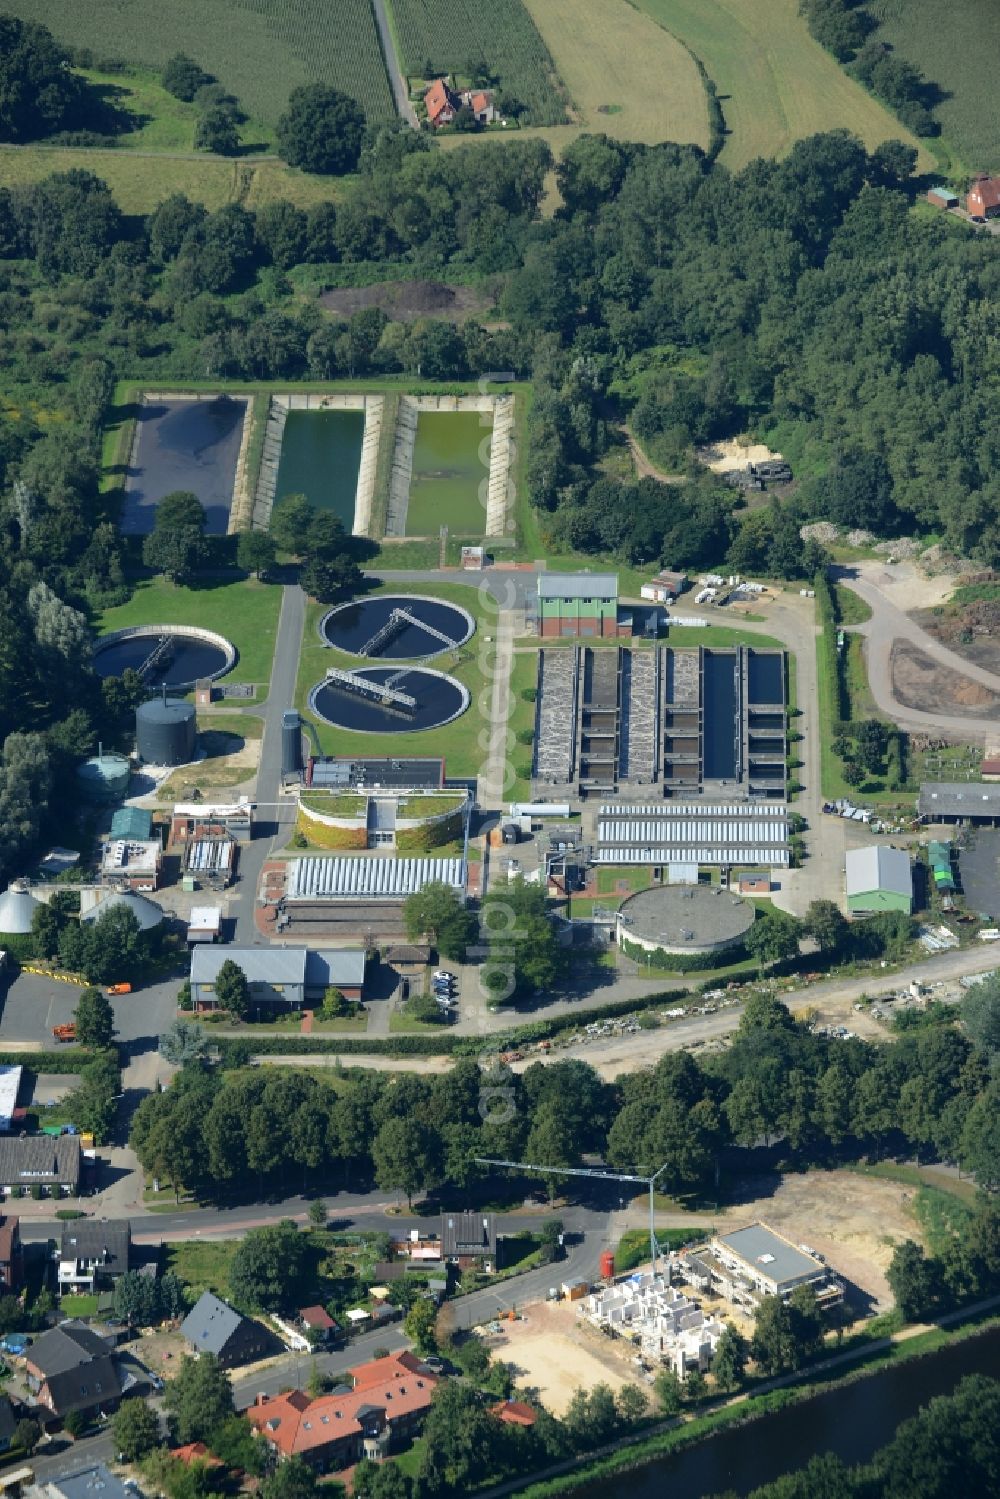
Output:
x,y
393,67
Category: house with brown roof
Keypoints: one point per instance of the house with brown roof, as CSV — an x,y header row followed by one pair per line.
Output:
x,y
442,103
983,199
514,1413
11,1256
385,1409
317,1323
70,1368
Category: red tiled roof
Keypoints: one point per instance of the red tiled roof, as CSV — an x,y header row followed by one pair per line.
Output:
x,y
195,1452
480,102
317,1317
515,1412
438,98
990,768
8,1232
396,1366
295,1424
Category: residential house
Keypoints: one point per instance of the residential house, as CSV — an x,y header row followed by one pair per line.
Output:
x,y
195,1452
70,1368
469,1239
93,1253
983,199
213,1326
317,1323
514,1413
442,103
480,101
51,1162
385,1408
11,1255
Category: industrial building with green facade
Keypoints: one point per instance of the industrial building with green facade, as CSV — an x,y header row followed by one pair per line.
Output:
x,y
580,606
878,879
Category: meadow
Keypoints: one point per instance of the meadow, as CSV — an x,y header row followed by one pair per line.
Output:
x,y
626,76
259,49
139,182
968,114
776,85
444,36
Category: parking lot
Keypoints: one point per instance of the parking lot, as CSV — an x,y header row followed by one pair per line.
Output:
x,y
32,1005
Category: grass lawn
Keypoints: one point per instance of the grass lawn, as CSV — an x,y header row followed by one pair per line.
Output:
x,y
245,613
458,740
400,1023
719,635
942,1216
609,877
203,1266
78,1306
410,1461
776,84
923,1176
852,607
161,122
627,76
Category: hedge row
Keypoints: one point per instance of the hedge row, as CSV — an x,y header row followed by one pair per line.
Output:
x,y
673,962
68,1059
234,1049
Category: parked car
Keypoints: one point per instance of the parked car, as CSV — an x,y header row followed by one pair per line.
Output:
x,y
442,973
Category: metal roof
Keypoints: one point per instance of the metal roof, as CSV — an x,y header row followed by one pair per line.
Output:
x,y
95,1482
134,824
959,799
262,965
146,912
336,966
577,585
771,1255
878,867
370,878
693,833
10,1086
17,907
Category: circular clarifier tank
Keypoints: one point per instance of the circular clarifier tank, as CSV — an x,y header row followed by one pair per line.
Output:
x,y
170,654
386,700
397,627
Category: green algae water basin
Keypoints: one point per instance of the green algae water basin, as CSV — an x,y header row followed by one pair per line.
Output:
x,y
320,458
448,469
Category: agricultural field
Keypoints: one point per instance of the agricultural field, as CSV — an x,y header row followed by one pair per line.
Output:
x,y
140,182
968,114
626,76
775,83
444,36
259,49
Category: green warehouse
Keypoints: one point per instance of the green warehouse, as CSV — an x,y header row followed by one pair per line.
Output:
x,y
878,879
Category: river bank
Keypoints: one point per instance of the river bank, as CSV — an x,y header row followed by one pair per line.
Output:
x,y
692,1457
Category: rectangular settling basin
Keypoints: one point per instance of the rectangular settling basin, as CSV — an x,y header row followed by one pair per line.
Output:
x,y
189,445
447,473
719,677
320,458
765,677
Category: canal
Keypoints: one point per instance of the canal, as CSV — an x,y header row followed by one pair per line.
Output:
x,y
852,1421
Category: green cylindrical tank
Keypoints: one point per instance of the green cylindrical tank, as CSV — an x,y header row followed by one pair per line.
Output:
x,y
103,778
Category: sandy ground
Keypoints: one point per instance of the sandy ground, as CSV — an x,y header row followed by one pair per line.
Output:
x,y
722,457
853,1221
556,1352
906,585
919,682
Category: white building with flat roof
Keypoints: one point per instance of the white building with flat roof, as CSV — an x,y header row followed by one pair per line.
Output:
x,y
10,1087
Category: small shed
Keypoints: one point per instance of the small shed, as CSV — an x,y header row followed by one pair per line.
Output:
x,y
942,197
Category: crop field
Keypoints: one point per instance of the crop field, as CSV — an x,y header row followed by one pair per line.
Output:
x,y
448,34
968,114
259,49
626,76
775,83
